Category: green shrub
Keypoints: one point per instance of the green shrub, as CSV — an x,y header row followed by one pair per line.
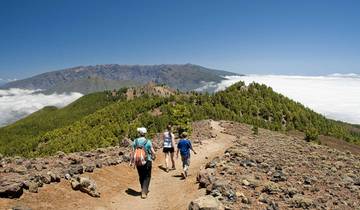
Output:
x,y
311,134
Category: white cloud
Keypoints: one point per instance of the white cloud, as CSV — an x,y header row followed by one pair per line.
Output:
x,y
18,103
7,80
206,86
345,75
335,96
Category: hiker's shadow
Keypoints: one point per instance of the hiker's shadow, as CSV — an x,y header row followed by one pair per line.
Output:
x,y
162,168
180,176
132,192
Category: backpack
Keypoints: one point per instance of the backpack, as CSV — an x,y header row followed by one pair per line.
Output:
x,y
140,155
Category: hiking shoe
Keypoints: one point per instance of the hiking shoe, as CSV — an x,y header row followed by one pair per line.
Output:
x,y
184,174
143,195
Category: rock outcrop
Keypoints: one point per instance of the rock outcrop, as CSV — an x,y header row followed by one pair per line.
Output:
x,y
18,174
206,203
84,184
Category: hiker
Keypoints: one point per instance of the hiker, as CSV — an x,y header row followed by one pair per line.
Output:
x,y
184,146
142,155
168,148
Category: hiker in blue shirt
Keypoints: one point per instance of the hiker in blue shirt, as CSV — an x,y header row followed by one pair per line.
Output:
x,y
184,146
144,169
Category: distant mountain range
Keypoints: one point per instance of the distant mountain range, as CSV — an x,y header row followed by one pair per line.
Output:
x,y
86,79
4,81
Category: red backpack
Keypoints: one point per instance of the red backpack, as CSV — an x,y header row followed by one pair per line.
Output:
x,y
140,155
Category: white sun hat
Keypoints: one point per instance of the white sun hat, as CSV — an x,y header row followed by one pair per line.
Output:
x,y
142,130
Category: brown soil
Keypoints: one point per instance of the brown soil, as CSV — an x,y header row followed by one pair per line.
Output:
x,y
119,186
318,176
331,142
275,171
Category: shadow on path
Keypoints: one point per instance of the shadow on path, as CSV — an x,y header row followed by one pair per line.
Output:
x,y
180,176
132,192
162,168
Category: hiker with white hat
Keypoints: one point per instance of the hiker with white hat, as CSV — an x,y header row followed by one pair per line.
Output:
x,y
141,156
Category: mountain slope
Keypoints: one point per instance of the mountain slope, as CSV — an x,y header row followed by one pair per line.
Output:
x,y
255,104
17,135
89,85
183,77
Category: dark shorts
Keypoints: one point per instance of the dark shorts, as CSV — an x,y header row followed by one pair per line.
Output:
x,y
166,150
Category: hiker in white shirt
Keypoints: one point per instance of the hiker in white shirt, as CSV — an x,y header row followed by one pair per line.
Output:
x,y
169,147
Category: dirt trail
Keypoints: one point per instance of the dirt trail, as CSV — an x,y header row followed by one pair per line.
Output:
x,y
119,185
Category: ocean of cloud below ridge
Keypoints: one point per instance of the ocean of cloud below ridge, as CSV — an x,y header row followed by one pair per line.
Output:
x,y
336,96
17,103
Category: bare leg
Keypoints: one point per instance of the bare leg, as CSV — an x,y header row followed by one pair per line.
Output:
x,y
172,160
167,161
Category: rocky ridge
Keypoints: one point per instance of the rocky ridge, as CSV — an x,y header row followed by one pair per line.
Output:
x,y
275,171
18,174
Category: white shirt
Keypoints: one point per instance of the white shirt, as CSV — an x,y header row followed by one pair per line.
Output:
x,y
168,139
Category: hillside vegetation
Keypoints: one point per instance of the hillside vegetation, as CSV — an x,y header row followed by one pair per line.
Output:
x,y
255,104
17,135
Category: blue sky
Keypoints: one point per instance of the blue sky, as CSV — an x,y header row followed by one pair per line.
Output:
x,y
313,37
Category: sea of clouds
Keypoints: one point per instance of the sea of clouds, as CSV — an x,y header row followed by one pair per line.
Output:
x,y
18,103
336,96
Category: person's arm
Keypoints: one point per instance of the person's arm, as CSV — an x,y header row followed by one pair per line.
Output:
x,y
177,151
192,147
132,153
153,153
173,139
152,150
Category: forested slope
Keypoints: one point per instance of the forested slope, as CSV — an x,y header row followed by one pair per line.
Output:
x,y
17,135
255,104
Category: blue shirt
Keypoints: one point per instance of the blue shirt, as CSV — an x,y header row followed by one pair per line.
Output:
x,y
184,146
140,141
